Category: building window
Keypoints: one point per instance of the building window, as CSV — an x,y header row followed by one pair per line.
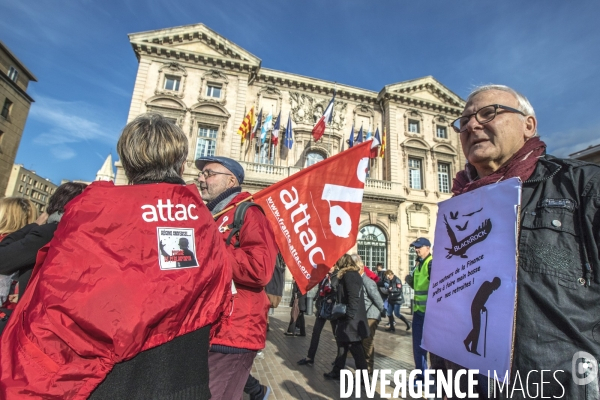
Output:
x,y
412,259
20,188
172,82
13,74
441,132
413,126
30,180
313,157
27,192
414,173
207,142
23,178
444,177
372,246
213,91
263,156
6,108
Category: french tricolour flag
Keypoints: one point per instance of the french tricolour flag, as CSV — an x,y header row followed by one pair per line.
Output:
x,y
319,128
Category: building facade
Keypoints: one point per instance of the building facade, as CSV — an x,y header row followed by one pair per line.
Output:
x,y
15,103
206,84
27,184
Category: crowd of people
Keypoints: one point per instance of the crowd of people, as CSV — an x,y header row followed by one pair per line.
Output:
x,y
156,290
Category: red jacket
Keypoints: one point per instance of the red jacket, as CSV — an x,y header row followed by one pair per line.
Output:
x,y
253,263
117,278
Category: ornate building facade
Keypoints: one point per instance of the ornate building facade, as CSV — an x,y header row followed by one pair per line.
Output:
x,y
206,84
14,108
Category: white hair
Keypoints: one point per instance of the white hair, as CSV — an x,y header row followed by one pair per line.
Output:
x,y
524,104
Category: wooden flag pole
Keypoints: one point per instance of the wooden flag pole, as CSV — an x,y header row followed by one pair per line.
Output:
x,y
217,215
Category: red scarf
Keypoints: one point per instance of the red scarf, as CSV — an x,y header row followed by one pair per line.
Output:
x,y
521,164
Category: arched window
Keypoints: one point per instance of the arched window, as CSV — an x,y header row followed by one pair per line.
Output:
x,y
372,246
313,157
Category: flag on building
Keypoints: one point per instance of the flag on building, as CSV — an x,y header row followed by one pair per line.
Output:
x,y
289,138
351,140
266,127
382,149
275,133
369,134
375,145
257,124
311,239
319,128
359,139
246,125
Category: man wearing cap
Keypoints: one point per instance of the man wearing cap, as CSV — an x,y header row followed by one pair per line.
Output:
x,y
419,281
253,253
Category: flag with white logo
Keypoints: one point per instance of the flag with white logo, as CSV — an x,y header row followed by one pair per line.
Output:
x,y
315,213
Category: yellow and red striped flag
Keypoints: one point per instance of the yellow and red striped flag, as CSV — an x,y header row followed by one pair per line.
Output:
x,y
246,125
383,140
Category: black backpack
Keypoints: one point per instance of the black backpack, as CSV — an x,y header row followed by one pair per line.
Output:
x,y
277,282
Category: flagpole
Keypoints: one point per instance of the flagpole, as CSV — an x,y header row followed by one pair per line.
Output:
x,y
242,138
217,215
330,140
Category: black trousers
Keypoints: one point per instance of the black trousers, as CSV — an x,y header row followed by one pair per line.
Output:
x,y
316,336
299,322
358,353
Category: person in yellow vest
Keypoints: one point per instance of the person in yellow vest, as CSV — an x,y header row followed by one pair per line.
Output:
x,y
419,281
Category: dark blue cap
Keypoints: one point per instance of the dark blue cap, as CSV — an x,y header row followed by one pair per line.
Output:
x,y
233,166
420,242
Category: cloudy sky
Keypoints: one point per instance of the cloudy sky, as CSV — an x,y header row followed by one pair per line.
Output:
x,y
79,51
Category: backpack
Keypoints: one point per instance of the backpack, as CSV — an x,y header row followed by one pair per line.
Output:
x,y
274,288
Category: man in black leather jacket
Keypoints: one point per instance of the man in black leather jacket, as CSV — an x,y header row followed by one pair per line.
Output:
x,y
557,326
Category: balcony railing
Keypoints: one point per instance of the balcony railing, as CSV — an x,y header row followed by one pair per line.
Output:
x,y
269,174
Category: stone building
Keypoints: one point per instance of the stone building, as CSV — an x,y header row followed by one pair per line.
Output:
x,y
206,84
27,184
14,103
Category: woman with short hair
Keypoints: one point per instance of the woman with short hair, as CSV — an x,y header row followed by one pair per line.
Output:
x,y
108,315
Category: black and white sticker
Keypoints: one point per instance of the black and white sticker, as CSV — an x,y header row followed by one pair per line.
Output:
x,y
176,248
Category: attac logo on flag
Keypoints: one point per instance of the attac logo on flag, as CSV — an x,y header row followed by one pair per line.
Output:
x,y
315,212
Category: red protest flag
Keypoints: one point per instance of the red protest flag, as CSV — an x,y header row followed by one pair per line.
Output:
x,y
315,213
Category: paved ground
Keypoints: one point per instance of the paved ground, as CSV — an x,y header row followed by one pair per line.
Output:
x,y
288,380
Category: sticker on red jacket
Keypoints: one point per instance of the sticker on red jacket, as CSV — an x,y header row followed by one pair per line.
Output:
x,y
177,248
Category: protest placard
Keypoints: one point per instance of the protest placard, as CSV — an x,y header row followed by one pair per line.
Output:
x,y
472,292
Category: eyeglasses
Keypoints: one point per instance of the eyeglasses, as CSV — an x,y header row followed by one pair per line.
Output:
x,y
483,116
207,173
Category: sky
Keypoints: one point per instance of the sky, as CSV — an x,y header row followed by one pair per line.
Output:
x,y
549,50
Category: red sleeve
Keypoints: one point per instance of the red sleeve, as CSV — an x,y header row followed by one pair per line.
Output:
x,y
254,260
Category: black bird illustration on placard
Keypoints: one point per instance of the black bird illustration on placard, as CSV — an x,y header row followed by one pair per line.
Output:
x,y
474,212
459,247
462,228
453,215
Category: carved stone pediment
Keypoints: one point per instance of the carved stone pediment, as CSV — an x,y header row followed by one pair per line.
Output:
x,y
307,110
193,41
427,89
